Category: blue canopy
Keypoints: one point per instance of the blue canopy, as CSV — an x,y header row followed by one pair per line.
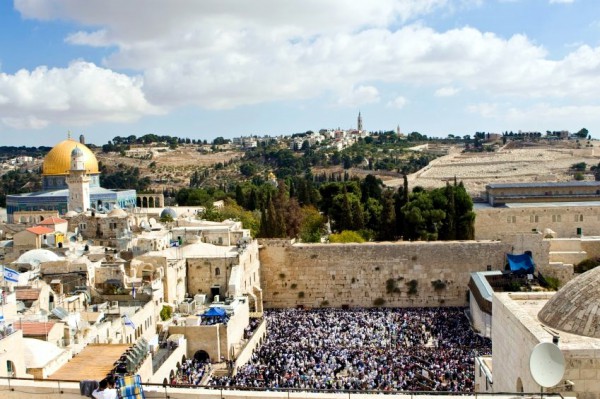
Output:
x,y
521,263
215,312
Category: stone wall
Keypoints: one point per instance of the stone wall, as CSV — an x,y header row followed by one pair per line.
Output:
x,y
356,275
494,223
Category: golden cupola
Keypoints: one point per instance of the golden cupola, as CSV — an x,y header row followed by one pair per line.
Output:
x,y
58,160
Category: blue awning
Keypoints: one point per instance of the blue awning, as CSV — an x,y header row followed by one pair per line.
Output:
x,y
522,263
215,312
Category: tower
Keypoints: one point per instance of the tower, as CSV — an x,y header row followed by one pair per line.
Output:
x,y
360,126
78,182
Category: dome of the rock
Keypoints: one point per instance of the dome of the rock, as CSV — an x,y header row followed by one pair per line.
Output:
x,y
58,160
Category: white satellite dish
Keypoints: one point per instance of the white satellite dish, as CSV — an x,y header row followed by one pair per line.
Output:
x,y
547,364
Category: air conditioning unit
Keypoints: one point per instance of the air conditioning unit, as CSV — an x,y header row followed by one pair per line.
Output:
x,y
114,304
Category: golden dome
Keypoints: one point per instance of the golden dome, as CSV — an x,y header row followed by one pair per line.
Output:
x,y
58,160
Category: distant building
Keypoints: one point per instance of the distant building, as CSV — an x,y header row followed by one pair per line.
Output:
x,y
59,177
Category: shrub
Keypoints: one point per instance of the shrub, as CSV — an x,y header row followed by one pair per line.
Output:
x,y
438,285
390,284
412,287
293,286
553,283
379,302
346,236
281,275
579,176
586,264
166,313
301,294
325,303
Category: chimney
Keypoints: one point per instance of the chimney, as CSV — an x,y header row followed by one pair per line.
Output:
x,y
82,139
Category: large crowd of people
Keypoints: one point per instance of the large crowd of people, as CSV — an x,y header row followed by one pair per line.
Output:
x,y
190,372
417,349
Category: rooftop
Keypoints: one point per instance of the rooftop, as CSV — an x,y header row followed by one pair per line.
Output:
x,y
34,328
27,294
52,221
40,230
545,184
92,363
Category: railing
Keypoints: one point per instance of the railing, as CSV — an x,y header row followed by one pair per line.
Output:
x,y
14,388
7,332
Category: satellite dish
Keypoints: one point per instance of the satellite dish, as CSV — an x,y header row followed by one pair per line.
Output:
x,y
547,364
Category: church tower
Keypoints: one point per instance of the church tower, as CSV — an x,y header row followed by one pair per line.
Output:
x,y
78,182
360,126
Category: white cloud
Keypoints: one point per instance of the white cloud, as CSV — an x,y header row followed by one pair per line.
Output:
x,y
223,54
548,114
80,94
561,1
486,110
398,102
359,96
447,91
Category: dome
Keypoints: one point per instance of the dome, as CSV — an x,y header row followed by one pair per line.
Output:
x,y
574,308
58,160
117,213
38,353
38,256
168,212
71,214
77,152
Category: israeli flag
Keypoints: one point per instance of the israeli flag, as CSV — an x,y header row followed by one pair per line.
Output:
x,y
1,319
128,322
11,275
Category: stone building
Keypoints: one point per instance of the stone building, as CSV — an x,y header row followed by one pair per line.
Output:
x,y
55,189
571,191
522,320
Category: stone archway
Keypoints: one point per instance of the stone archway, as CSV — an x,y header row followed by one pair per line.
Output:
x,y
202,356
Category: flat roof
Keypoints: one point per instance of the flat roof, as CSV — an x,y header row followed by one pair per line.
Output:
x,y
525,306
484,287
92,363
553,204
545,184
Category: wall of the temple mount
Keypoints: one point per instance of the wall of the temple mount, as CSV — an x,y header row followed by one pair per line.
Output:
x,y
360,275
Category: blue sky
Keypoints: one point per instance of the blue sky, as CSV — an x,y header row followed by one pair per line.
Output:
x,y
202,69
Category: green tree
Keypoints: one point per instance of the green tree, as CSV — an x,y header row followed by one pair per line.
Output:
x,y
346,236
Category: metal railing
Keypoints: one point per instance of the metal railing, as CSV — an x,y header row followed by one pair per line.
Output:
x,y
58,388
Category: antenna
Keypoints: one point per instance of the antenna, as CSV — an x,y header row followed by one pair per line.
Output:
x,y
547,364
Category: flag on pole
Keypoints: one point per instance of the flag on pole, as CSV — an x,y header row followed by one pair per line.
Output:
x,y
11,275
129,322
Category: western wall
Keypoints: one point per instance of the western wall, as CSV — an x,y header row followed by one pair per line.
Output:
x,y
374,274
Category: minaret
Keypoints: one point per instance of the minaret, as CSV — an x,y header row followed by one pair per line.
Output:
x,y
360,126
78,182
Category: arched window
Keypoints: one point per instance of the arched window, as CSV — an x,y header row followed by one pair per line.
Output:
x,y
10,369
217,271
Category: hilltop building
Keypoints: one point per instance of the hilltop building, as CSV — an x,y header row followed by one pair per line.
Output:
x,y
70,167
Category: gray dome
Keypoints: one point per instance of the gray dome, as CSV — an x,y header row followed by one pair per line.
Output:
x,y
574,308
76,152
168,212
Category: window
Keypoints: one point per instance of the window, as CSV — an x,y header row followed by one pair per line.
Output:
x,y
556,218
217,271
82,226
10,368
534,218
578,218
511,219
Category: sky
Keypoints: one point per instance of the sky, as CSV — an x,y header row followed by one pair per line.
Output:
x,y
202,69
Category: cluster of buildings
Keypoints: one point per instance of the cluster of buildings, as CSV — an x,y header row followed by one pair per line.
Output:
x,y
93,276
89,273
